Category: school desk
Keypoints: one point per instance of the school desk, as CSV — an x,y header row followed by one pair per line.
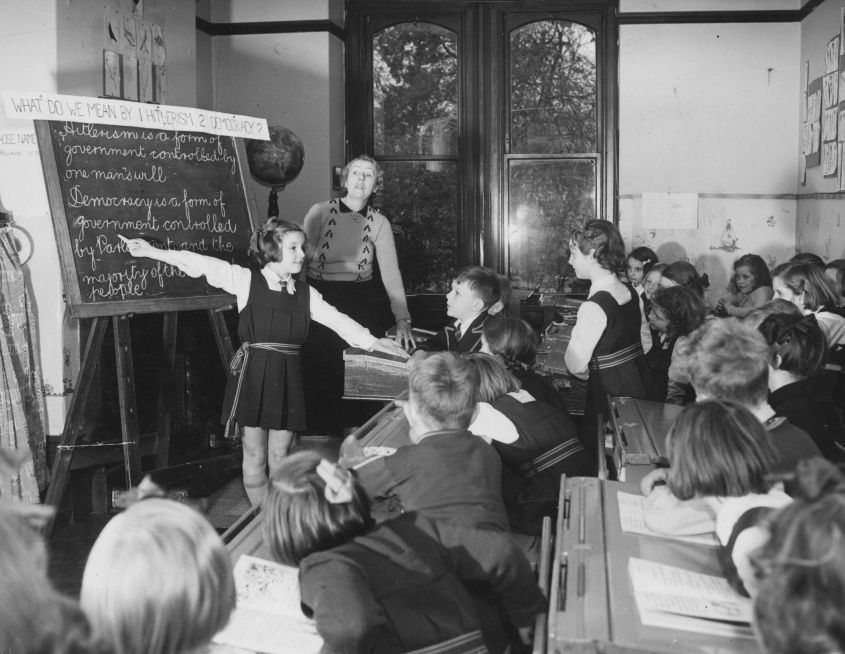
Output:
x,y
550,362
638,430
373,375
592,607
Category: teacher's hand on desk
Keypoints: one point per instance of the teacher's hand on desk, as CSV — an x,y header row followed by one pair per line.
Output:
x,y
654,478
404,334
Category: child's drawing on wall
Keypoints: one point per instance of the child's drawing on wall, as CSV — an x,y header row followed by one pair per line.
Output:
x,y
727,240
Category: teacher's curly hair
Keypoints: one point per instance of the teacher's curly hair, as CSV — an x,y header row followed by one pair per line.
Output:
x,y
344,174
266,242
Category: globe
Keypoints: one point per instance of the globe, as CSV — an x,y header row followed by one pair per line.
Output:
x,y
278,161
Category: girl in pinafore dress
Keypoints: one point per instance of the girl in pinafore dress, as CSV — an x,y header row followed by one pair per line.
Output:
x,y
266,396
611,335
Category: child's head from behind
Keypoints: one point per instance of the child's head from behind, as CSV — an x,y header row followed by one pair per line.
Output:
x,y
474,290
808,257
158,580
500,306
726,359
640,262
278,241
300,517
805,285
756,316
718,448
442,391
750,273
513,340
799,604
798,343
835,272
683,273
494,380
599,240
676,311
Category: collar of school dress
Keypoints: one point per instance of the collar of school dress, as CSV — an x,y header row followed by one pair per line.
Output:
x,y
343,208
602,284
277,283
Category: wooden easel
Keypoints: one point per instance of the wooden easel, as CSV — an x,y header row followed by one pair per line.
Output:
x,y
128,409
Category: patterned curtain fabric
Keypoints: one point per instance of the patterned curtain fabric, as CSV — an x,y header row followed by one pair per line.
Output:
x,y
22,424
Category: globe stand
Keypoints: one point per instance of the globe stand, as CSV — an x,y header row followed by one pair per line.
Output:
x,y
273,203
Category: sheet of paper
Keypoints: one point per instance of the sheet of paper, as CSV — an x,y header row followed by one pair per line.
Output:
x,y
632,519
672,597
670,210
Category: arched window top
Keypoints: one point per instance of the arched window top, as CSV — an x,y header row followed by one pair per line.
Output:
x,y
552,88
415,90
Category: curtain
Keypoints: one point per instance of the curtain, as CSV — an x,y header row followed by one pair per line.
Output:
x,y
22,423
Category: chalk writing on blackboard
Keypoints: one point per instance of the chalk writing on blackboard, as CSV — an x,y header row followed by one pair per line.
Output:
x,y
182,190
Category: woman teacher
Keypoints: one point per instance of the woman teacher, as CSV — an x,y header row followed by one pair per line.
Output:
x,y
350,241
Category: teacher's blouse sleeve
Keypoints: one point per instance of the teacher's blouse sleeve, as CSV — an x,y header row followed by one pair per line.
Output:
x,y
350,331
589,326
220,274
391,277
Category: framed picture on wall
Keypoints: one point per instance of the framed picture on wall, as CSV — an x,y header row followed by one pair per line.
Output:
x,y
145,81
112,74
130,77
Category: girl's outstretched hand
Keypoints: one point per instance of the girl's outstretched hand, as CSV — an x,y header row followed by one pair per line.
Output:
x,y
138,247
389,346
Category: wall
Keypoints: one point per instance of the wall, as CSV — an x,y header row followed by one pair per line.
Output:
x,y
710,109
56,47
820,228
292,80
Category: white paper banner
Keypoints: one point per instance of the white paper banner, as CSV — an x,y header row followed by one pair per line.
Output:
x,y
82,109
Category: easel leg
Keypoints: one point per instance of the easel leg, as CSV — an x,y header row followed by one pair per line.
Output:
x,y
165,394
126,394
73,421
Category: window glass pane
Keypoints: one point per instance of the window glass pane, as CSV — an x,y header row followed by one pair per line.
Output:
x,y
547,200
552,88
415,90
421,200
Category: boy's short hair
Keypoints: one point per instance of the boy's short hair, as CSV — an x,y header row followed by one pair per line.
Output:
x,y
482,281
443,389
603,237
158,580
683,307
494,380
298,520
798,340
513,340
718,448
801,568
266,242
727,359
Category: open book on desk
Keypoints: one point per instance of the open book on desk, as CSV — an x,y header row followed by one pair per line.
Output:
x,y
268,617
632,520
675,598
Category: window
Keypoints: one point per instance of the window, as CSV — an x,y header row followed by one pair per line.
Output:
x,y
495,125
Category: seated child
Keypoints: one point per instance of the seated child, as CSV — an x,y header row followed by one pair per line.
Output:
x,y
750,286
719,456
474,290
652,280
640,262
726,359
514,343
805,285
447,473
158,580
683,273
546,447
675,312
797,353
34,617
611,333
801,568
396,586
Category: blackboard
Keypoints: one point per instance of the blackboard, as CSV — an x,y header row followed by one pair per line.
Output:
x,y
181,190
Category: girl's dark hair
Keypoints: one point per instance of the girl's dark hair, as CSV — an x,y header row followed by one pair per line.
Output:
x,y
344,174
758,268
494,380
798,341
513,340
603,237
298,520
266,242
718,447
683,307
684,273
809,279
801,568
808,257
644,255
